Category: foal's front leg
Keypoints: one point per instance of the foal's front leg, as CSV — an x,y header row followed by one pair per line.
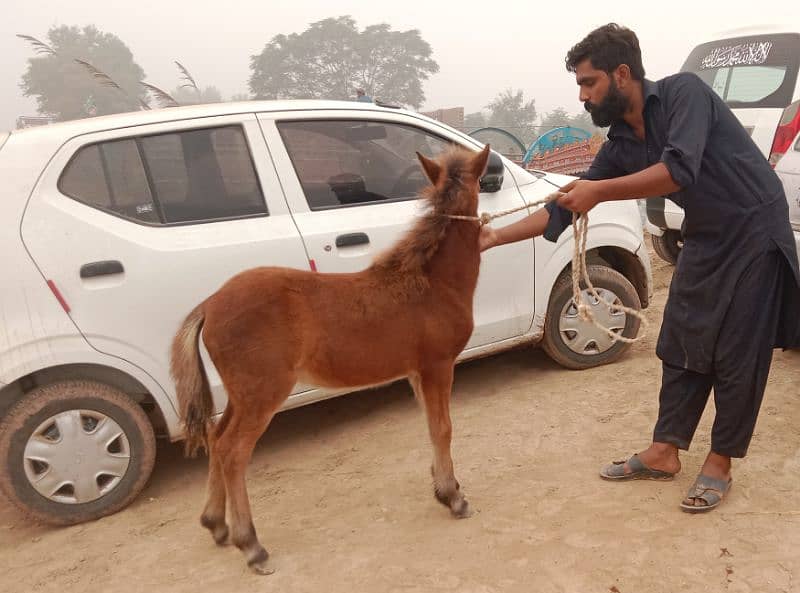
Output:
x,y
432,387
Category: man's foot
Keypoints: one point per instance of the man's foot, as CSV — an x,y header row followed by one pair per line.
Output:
x,y
658,462
717,466
705,494
710,486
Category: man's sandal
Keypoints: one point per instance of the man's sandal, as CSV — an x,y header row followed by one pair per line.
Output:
x,y
638,471
710,490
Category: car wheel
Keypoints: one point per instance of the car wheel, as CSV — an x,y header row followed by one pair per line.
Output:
x,y
75,451
668,246
578,344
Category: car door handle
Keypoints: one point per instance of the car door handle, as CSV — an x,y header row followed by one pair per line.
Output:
x,y
351,239
101,268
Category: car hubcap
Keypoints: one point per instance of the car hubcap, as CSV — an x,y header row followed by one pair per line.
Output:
x,y
583,337
76,456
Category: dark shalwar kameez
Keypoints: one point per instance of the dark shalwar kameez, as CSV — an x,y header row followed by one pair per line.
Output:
x,y
735,293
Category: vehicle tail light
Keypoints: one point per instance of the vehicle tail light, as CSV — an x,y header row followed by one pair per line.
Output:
x,y
788,128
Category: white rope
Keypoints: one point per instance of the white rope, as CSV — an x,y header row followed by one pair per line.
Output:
x,y
580,231
580,228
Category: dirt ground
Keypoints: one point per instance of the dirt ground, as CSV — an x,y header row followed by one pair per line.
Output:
x,y
342,497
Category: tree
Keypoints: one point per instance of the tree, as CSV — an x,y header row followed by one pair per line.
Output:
x,y
332,58
510,112
475,120
559,117
584,121
69,90
189,96
555,119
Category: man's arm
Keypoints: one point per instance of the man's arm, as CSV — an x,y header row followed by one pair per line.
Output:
x,y
583,195
527,228
551,220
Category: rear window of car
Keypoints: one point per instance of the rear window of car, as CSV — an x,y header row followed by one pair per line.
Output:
x,y
757,71
188,176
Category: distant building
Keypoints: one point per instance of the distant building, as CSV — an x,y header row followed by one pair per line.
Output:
x,y
453,117
571,159
30,121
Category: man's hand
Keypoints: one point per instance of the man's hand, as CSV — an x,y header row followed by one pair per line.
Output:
x,y
487,238
581,195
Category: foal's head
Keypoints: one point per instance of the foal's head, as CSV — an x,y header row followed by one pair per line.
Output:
x,y
455,185
455,180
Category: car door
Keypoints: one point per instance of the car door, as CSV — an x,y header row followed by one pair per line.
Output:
x,y
136,227
352,179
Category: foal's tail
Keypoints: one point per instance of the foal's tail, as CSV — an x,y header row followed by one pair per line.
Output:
x,y
191,382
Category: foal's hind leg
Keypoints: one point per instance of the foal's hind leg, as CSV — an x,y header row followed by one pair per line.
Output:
x,y
250,416
213,517
432,387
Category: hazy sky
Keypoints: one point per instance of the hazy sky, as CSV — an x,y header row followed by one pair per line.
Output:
x,y
481,48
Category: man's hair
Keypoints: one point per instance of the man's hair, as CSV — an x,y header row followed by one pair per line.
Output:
x,y
607,47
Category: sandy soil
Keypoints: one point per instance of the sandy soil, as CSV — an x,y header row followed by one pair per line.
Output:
x,y
342,497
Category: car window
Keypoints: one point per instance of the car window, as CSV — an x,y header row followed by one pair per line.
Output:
x,y
203,174
85,180
197,175
746,84
129,192
349,162
752,71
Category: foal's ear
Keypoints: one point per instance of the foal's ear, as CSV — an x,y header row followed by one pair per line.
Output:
x,y
431,168
480,161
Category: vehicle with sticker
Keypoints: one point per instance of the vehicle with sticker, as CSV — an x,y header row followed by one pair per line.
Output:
x,y
755,71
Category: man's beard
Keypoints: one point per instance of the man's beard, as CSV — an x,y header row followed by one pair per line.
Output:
x,y
612,108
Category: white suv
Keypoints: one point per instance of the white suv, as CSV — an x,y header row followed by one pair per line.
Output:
x,y
113,228
755,71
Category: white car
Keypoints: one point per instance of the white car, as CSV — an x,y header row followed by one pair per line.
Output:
x,y
114,228
755,71
788,169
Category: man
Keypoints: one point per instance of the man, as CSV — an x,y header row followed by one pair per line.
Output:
x,y
735,293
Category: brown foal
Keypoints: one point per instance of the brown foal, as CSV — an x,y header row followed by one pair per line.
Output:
x,y
408,315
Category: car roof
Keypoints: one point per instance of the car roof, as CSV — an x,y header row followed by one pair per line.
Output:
x,y
72,128
762,29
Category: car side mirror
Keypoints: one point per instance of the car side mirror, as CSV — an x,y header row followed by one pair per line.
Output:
x,y
492,180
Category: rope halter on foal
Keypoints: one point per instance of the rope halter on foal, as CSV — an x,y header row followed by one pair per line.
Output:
x,y
580,231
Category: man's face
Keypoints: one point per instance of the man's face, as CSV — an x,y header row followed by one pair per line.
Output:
x,y
600,95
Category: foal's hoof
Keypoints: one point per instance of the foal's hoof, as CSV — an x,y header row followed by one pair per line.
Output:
x,y
261,568
460,509
258,563
218,529
220,535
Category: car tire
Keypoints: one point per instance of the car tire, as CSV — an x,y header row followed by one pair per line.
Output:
x,y
576,344
668,246
88,442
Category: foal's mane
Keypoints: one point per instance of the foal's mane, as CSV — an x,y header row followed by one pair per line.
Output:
x,y
409,256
